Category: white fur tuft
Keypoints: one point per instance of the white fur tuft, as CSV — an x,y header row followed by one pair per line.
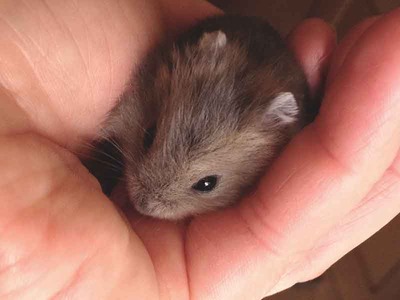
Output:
x,y
285,108
213,40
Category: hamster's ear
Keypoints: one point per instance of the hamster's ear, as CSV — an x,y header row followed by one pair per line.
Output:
x,y
283,110
215,40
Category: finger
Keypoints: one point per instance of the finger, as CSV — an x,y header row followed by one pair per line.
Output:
x,y
59,236
377,209
164,242
347,43
322,175
313,43
66,62
353,141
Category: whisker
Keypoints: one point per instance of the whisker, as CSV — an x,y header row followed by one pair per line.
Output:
x,y
110,166
114,143
114,159
98,153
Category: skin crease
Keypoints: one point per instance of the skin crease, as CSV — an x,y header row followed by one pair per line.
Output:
x,y
60,237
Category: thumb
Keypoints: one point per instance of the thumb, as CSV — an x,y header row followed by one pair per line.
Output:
x,y
59,236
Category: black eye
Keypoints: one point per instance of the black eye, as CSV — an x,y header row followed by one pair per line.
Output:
x,y
149,137
207,184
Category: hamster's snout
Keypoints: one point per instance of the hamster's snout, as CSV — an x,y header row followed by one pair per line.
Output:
x,y
153,204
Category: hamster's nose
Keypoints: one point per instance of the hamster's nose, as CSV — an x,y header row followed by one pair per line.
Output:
x,y
148,202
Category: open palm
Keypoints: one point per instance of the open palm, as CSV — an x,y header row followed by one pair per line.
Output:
x,y
63,64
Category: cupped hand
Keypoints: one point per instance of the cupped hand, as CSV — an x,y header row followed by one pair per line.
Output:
x,y
63,63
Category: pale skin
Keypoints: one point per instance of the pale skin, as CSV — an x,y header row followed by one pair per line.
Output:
x,y
63,63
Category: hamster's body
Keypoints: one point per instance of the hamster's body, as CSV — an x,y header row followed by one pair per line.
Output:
x,y
205,116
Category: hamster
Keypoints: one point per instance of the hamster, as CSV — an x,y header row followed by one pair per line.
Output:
x,y
204,117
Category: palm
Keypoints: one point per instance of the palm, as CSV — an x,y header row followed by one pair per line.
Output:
x,y
72,241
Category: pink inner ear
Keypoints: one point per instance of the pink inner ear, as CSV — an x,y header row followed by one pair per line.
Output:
x,y
284,108
213,40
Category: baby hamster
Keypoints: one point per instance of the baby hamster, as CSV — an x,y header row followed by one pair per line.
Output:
x,y
205,116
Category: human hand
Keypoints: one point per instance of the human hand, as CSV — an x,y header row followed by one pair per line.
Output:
x,y
61,237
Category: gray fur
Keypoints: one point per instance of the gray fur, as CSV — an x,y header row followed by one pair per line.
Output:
x,y
218,110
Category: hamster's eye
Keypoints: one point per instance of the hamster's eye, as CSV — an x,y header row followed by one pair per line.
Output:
x,y
149,137
206,184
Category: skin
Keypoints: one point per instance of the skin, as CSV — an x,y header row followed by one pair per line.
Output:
x,y
60,237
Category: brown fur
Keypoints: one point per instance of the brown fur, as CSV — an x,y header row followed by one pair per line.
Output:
x,y
210,101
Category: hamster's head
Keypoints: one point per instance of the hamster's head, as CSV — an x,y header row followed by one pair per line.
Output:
x,y
202,128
